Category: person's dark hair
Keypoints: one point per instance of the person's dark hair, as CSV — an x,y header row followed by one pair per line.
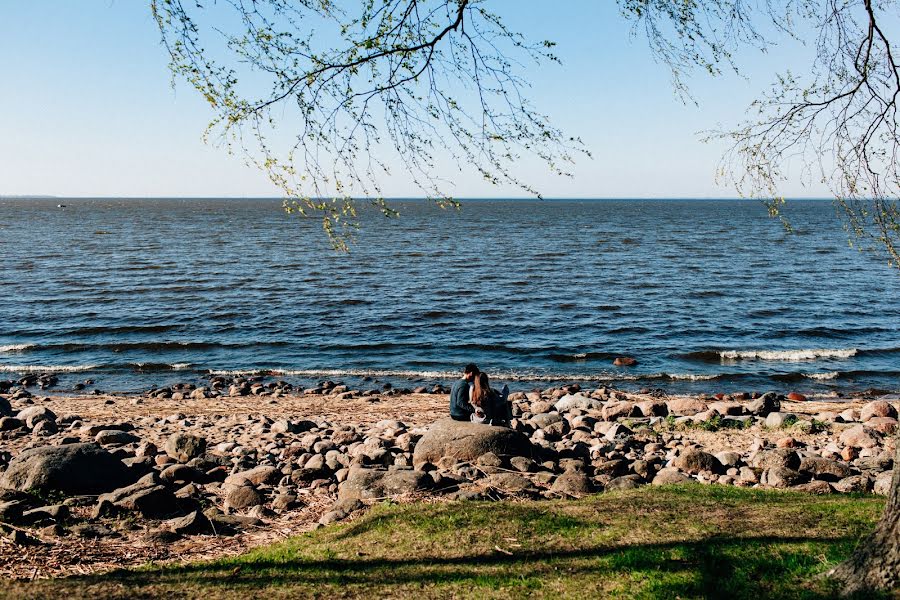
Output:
x,y
482,390
471,368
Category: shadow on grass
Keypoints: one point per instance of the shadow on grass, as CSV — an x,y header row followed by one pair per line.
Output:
x,y
716,567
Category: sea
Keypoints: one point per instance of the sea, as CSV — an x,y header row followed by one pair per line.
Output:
x,y
707,295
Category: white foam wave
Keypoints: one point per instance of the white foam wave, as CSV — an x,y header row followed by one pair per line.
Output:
x,y
788,355
181,366
823,376
434,375
690,377
15,347
45,368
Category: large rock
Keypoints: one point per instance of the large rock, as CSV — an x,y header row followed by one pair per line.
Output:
x,y
824,468
670,476
5,408
369,484
860,437
685,406
35,414
779,457
146,496
70,469
618,410
184,446
572,483
696,461
467,441
877,408
571,401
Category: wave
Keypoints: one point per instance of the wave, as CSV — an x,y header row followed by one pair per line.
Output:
x,y
16,347
772,355
46,368
160,366
582,356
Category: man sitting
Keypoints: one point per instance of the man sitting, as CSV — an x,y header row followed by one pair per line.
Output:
x,y
460,407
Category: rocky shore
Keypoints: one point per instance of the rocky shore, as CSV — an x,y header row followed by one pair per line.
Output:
x,y
185,472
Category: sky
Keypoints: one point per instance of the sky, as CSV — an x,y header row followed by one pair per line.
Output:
x,y
87,108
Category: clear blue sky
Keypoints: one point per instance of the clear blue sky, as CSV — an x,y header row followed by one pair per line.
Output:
x,y
87,109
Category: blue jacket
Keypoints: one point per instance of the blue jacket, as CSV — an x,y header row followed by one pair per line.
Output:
x,y
459,400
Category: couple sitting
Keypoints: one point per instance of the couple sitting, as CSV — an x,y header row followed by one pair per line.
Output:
x,y
472,399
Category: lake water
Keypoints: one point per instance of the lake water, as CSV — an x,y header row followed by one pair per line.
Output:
x,y
707,295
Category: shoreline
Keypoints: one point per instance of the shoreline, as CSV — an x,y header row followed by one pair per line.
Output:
x,y
278,462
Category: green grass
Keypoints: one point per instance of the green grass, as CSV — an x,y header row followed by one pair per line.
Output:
x,y
689,541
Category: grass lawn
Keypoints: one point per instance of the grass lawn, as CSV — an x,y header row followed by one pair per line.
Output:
x,y
690,541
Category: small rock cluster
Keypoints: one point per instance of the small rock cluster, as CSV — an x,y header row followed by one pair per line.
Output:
x,y
222,473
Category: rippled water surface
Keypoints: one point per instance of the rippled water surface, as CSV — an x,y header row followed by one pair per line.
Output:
x,y
706,294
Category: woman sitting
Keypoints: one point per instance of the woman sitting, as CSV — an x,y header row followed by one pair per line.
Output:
x,y
491,407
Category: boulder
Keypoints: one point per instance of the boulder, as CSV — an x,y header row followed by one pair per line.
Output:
x,y
824,468
572,483
776,420
618,410
652,408
576,401
511,483
467,441
184,446
35,414
762,406
779,457
190,524
369,484
696,461
146,496
781,477
685,406
669,476
860,437
877,408
109,437
243,496
854,483
71,469
5,408
885,425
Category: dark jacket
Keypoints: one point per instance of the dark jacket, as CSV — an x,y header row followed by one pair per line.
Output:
x,y
497,410
460,409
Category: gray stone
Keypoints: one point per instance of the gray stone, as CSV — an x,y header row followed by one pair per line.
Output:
x,y
854,483
572,483
625,482
71,469
34,414
781,477
776,420
577,401
467,441
824,468
183,446
779,457
190,524
511,483
729,459
670,476
244,496
370,484
696,461
860,437
109,437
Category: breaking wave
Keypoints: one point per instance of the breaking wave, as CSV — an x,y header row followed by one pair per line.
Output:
x,y
773,355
